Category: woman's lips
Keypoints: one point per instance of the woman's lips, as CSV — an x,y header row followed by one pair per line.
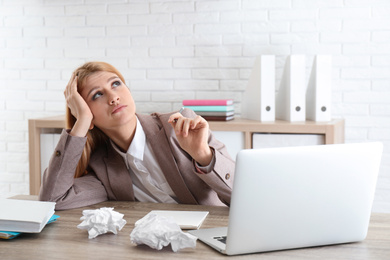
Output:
x,y
118,109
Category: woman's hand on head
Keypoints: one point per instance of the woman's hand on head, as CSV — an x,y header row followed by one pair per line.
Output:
x,y
79,108
192,134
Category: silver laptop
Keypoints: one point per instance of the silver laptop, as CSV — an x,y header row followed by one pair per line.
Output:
x,y
296,197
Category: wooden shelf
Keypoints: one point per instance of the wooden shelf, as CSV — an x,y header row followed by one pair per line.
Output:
x,y
333,132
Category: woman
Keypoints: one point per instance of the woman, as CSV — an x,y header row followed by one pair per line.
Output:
x,y
110,152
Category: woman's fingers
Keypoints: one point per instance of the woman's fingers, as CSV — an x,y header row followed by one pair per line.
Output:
x,y
70,82
174,118
197,120
183,125
75,102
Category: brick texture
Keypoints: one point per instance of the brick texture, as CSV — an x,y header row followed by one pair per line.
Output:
x,y
172,50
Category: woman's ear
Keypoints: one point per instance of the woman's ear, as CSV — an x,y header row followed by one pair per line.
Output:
x,y
91,126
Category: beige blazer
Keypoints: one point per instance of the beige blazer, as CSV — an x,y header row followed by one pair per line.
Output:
x,y
109,179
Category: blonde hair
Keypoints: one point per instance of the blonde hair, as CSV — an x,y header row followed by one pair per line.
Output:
x,y
95,137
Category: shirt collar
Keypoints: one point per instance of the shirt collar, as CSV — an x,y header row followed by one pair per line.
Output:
x,y
137,146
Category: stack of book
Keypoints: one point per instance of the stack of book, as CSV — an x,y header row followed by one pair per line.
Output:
x,y
212,109
24,216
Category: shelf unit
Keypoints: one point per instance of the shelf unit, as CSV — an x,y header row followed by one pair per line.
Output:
x,y
333,132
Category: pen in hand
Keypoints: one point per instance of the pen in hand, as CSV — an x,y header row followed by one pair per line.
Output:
x,y
181,110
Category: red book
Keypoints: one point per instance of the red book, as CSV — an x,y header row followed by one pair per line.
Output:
x,y
208,102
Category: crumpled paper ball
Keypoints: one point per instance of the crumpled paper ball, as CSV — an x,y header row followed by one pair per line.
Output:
x,y
158,231
101,221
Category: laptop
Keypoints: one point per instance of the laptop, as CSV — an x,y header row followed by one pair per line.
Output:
x,y
295,197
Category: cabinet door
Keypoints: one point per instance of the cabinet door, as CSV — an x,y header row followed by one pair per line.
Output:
x,y
266,140
234,141
49,142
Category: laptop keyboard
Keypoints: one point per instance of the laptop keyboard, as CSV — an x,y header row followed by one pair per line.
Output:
x,y
221,239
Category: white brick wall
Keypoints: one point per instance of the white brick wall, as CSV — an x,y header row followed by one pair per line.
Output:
x,y
171,50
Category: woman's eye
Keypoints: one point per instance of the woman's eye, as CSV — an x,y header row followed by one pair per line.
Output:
x,y
116,83
96,95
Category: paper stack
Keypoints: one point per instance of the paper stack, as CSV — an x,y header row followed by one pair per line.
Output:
x,y
185,219
212,109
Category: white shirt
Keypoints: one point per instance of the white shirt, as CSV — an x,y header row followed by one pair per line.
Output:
x,y
149,182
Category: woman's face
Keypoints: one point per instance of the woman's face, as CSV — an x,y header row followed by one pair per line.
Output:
x,y
109,99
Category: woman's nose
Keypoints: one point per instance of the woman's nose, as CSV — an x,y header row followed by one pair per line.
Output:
x,y
114,99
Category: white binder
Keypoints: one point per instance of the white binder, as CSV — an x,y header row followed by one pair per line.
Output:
x,y
319,90
259,97
290,100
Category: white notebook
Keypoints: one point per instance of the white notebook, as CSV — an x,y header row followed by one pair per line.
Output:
x,y
26,216
185,219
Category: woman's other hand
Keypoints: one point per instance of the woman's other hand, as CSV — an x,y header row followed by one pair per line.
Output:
x,y
78,108
192,134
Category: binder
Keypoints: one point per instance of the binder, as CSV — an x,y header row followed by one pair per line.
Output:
x,y
290,100
259,97
319,89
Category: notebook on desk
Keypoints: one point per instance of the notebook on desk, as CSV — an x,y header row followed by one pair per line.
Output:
x,y
296,197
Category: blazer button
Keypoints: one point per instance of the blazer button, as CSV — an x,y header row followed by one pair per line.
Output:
x,y
227,176
58,153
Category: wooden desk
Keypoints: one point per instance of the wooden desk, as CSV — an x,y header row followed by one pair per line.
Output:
x,y
63,240
333,132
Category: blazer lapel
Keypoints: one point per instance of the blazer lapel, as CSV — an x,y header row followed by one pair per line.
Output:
x,y
161,148
118,176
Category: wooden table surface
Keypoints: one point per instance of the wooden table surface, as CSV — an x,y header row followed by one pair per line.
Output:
x,y
63,240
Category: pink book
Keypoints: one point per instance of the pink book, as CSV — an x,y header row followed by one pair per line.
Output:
x,y
208,102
